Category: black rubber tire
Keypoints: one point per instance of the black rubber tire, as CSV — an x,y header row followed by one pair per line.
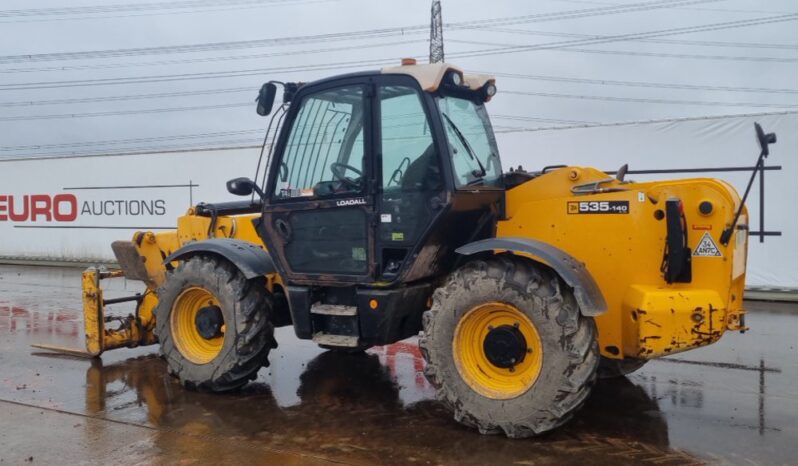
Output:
x,y
612,368
570,346
246,306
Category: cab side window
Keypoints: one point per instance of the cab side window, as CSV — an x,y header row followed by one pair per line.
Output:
x,y
409,158
325,149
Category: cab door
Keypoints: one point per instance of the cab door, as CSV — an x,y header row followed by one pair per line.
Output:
x,y
412,182
317,222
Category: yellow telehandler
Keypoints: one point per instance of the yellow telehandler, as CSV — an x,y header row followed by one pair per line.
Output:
x,y
382,212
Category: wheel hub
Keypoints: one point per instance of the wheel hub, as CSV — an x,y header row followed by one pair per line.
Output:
x,y
505,346
209,321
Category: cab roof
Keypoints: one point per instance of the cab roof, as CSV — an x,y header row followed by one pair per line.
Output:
x,y
430,76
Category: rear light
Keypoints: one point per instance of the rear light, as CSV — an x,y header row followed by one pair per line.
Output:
x,y
676,263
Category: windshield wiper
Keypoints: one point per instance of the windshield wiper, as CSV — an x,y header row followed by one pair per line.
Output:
x,y
478,175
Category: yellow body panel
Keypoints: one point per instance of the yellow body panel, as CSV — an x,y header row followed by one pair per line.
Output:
x,y
624,252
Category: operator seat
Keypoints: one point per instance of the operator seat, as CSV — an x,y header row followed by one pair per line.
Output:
x,y
424,173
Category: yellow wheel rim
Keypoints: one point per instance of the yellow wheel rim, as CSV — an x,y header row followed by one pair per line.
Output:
x,y
477,370
191,344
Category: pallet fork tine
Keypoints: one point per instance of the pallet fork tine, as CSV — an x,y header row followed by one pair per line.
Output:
x,y
98,338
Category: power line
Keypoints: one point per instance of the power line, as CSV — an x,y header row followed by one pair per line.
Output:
x,y
721,10
662,120
511,92
200,146
643,54
192,76
634,36
684,55
129,7
652,101
210,59
207,47
119,98
603,82
116,142
660,85
561,79
702,43
351,35
180,137
162,13
529,118
170,110
339,65
123,112
578,14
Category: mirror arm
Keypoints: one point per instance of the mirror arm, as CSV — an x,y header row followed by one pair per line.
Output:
x,y
257,190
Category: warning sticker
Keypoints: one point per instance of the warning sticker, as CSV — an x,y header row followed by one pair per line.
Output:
x,y
706,247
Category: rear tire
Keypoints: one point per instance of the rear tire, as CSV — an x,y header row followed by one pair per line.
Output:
x,y
612,368
241,344
543,398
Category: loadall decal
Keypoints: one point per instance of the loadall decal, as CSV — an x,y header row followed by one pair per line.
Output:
x,y
598,207
348,202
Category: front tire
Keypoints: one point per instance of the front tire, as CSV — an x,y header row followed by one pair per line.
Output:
x,y
213,324
507,349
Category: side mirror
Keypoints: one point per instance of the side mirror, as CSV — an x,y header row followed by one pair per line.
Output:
x,y
266,98
243,187
764,139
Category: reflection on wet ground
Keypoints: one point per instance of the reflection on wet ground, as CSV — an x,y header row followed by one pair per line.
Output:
x,y
729,403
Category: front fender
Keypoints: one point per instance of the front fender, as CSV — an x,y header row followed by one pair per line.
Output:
x,y
250,259
573,272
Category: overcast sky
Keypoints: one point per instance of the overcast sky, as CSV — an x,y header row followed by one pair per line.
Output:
x,y
648,70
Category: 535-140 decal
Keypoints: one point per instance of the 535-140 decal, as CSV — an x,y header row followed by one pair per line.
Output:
x,y
598,207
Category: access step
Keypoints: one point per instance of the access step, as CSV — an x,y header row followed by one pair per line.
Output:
x,y
335,340
333,310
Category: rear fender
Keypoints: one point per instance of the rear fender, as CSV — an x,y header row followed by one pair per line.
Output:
x,y
573,272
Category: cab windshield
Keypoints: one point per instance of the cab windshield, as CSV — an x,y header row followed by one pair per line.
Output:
x,y
474,154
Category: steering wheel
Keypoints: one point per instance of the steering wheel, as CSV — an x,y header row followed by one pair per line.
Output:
x,y
339,172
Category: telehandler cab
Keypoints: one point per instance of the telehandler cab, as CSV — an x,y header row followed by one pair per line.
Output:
x,y
383,212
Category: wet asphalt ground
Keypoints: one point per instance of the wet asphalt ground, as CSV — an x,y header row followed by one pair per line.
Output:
x,y
735,402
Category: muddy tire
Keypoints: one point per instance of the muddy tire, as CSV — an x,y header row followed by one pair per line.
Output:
x,y
567,353
243,333
612,368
